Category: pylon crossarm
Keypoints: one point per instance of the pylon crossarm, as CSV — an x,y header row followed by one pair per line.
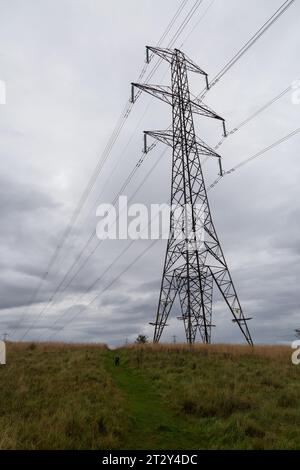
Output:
x,y
168,55
166,137
204,149
191,66
199,108
161,92
165,54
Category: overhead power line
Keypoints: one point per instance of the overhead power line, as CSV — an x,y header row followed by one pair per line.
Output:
x,y
197,23
82,265
99,242
111,283
242,163
253,116
262,152
112,140
263,29
253,157
183,24
199,2
173,20
172,41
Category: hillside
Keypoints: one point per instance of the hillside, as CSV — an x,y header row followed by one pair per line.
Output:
x,y
67,396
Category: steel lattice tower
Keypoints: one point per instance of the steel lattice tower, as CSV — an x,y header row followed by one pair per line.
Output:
x,y
194,261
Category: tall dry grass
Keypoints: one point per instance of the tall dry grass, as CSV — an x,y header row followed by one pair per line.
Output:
x,y
265,350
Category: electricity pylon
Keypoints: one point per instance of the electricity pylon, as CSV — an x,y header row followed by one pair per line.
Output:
x,y
194,259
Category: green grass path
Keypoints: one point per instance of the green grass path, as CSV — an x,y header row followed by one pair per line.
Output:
x,y
153,425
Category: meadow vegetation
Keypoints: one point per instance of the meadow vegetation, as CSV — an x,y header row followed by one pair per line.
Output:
x,y
232,397
68,396
58,396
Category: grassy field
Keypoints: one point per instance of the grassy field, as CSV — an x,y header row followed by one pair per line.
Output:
x,y
60,396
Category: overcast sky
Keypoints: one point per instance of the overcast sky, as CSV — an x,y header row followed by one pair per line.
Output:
x,y
67,66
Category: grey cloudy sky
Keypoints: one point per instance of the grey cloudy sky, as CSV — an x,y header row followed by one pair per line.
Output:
x,y
67,65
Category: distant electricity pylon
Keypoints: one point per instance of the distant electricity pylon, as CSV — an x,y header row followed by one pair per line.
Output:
x,y
194,261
